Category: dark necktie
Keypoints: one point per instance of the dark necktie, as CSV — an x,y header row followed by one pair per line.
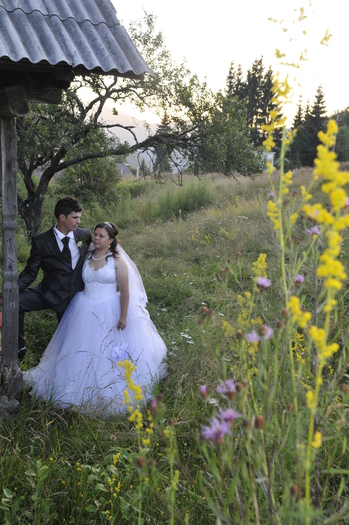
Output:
x,y
66,251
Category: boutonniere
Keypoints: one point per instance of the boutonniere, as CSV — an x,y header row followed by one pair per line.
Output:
x,y
83,243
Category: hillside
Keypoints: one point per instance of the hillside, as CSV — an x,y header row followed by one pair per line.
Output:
x,y
231,435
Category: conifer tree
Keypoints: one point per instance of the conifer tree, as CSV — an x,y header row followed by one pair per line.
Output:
x,y
318,111
163,150
256,93
303,150
342,139
235,86
298,118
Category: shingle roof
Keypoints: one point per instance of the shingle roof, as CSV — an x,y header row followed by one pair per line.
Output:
x,y
82,34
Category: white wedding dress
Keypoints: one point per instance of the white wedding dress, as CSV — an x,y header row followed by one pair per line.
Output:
x,y
79,368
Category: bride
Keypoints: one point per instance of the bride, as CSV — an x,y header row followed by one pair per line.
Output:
x,y
105,323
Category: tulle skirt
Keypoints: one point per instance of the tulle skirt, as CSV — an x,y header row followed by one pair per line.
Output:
x,y
79,368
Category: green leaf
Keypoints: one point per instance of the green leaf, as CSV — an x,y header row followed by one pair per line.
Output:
x,y
8,493
341,487
42,470
101,487
91,508
344,445
336,471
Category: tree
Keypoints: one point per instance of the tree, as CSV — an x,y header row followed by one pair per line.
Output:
x,y
92,181
298,118
235,85
303,149
342,144
256,93
342,117
162,154
342,139
225,145
56,138
255,77
318,111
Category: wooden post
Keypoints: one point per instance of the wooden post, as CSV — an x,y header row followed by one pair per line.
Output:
x,y
11,382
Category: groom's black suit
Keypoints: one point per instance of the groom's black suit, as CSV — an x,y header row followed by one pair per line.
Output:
x,y
60,282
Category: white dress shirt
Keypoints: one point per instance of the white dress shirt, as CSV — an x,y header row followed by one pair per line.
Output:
x,y
74,250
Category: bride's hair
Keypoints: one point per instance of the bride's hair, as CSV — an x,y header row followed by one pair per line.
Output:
x,y
112,231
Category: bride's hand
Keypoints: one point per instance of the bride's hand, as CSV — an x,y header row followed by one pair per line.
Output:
x,y
121,324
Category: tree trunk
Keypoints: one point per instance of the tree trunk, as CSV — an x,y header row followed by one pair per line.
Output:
x,y
31,212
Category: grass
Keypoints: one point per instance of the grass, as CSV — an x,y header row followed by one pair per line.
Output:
x,y
181,239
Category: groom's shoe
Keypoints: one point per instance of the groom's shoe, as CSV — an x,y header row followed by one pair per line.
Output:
x,y
21,353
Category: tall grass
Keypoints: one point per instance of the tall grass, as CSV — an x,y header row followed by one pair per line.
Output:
x,y
197,259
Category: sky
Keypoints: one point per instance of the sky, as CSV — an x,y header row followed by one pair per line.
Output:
x,y
212,34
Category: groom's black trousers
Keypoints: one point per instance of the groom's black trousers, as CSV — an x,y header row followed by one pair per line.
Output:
x,y
32,300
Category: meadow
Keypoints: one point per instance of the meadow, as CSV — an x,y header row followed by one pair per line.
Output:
x,y
198,248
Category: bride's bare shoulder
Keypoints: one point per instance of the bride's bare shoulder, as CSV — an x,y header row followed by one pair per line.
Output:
x,y
119,262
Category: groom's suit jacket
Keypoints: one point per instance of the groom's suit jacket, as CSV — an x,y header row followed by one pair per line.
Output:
x,y
60,282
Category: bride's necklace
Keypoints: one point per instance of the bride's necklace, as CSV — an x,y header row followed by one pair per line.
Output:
x,y
99,258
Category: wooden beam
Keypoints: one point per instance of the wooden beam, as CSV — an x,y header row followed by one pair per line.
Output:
x,y
44,95
11,376
13,102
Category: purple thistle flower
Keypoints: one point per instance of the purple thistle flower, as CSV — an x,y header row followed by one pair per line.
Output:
x,y
253,337
263,282
299,279
216,431
203,391
227,388
265,332
268,332
271,194
314,231
229,415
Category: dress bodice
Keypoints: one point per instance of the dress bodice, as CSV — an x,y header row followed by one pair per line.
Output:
x,y
99,284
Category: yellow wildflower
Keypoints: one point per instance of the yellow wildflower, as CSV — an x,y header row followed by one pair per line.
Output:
x,y
259,267
269,143
317,441
310,399
298,316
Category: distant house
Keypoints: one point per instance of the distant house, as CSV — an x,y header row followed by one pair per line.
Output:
x,y
268,156
124,170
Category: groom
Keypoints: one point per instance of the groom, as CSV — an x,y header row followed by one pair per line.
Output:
x,y
60,253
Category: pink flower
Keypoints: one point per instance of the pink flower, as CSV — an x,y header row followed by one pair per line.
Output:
x,y
227,388
265,332
271,195
253,337
346,204
203,391
268,332
263,282
298,279
229,414
314,231
216,431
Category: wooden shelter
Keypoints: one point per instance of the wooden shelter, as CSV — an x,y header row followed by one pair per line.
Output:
x,y
44,44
